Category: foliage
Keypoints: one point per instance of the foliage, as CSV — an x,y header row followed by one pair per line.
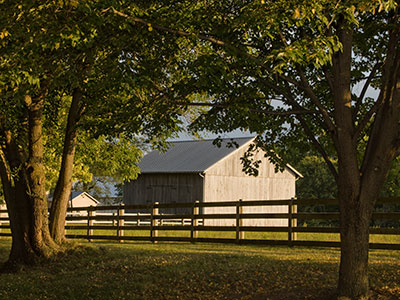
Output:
x,y
63,46
392,184
266,76
70,71
121,70
318,182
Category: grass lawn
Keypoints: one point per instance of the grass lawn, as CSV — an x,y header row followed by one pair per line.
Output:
x,y
104,270
303,236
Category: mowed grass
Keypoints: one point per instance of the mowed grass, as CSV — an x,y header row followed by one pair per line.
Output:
x,y
104,270
301,236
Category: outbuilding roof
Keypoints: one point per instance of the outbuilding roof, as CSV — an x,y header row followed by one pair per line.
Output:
x,y
194,156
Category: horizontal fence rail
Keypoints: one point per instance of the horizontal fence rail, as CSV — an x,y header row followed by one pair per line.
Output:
x,y
263,222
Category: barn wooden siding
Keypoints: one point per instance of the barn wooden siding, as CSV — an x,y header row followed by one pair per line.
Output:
x,y
164,188
225,181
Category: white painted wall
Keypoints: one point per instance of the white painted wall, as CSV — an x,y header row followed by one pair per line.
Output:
x,y
225,181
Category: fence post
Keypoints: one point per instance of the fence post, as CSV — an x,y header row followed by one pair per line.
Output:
x,y
153,222
90,220
239,221
1,215
65,224
294,220
195,222
291,222
120,222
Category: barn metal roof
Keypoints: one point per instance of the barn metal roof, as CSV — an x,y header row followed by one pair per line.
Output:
x,y
190,156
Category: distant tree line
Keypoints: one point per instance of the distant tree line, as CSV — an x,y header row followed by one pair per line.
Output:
x,y
318,183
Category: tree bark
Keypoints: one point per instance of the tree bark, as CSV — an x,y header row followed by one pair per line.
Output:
x,y
19,215
36,176
58,211
355,216
25,192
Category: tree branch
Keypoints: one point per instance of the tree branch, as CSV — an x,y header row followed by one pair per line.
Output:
x,y
367,118
309,91
262,111
304,85
365,88
314,141
388,65
319,147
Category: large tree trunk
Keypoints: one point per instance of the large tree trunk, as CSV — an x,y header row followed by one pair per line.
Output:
x,y
25,193
355,216
19,215
36,176
63,188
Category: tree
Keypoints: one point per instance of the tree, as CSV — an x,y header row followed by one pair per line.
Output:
x,y
392,184
298,74
106,163
318,182
109,77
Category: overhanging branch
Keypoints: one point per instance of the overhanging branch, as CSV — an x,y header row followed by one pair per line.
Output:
x,y
261,111
313,139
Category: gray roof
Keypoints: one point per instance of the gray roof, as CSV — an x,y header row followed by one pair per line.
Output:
x,y
190,156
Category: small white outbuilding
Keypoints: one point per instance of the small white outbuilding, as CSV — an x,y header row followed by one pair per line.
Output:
x,y
79,199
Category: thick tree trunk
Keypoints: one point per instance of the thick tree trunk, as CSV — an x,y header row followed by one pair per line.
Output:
x,y
30,240
63,188
353,273
26,248
25,193
19,215
355,216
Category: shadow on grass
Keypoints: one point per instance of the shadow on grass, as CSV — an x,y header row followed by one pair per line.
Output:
x,y
182,271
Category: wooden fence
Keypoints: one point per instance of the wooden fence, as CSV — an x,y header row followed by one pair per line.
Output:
x,y
147,223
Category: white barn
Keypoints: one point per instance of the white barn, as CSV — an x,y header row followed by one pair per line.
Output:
x,y
199,170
